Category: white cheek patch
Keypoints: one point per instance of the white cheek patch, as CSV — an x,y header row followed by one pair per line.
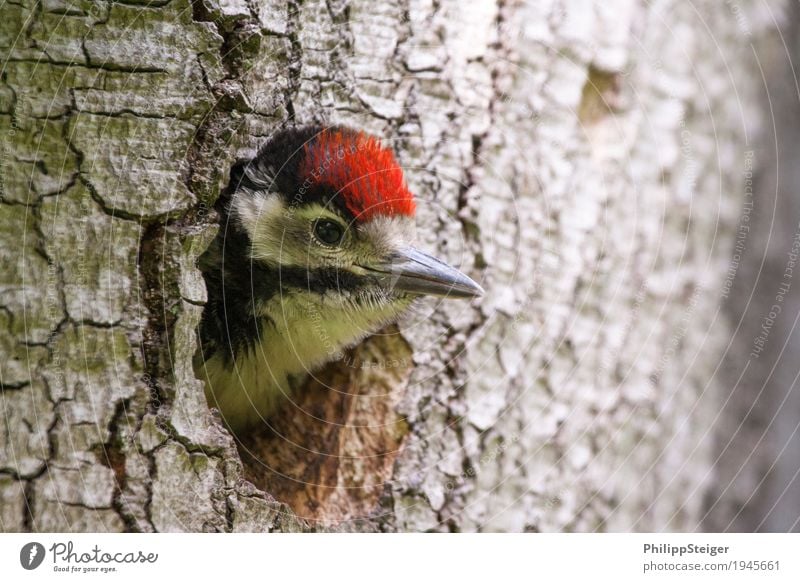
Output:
x,y
265,216
249,207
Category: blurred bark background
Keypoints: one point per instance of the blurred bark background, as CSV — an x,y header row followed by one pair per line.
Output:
x,y
584,160
755,485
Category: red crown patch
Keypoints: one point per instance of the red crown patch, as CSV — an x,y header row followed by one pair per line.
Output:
x,y
361,170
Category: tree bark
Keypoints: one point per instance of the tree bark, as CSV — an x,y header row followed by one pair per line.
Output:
x,y
583,160
755,485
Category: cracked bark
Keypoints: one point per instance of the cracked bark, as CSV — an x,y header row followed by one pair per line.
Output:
x,y
544,141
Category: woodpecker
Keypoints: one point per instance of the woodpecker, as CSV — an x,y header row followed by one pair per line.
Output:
x,y
315,252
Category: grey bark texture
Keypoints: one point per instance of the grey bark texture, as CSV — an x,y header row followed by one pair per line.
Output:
x,y
756,485
583,160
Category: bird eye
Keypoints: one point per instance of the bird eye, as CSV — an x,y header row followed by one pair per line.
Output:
x,y
328,231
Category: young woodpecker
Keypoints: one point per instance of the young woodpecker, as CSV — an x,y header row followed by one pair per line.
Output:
x,y
315,253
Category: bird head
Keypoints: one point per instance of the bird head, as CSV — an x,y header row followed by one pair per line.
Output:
x,y
328,210
317,251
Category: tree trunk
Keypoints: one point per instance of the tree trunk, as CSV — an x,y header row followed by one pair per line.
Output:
x,y
583,160
756,482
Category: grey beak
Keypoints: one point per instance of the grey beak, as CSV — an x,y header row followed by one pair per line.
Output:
x,y
412,271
